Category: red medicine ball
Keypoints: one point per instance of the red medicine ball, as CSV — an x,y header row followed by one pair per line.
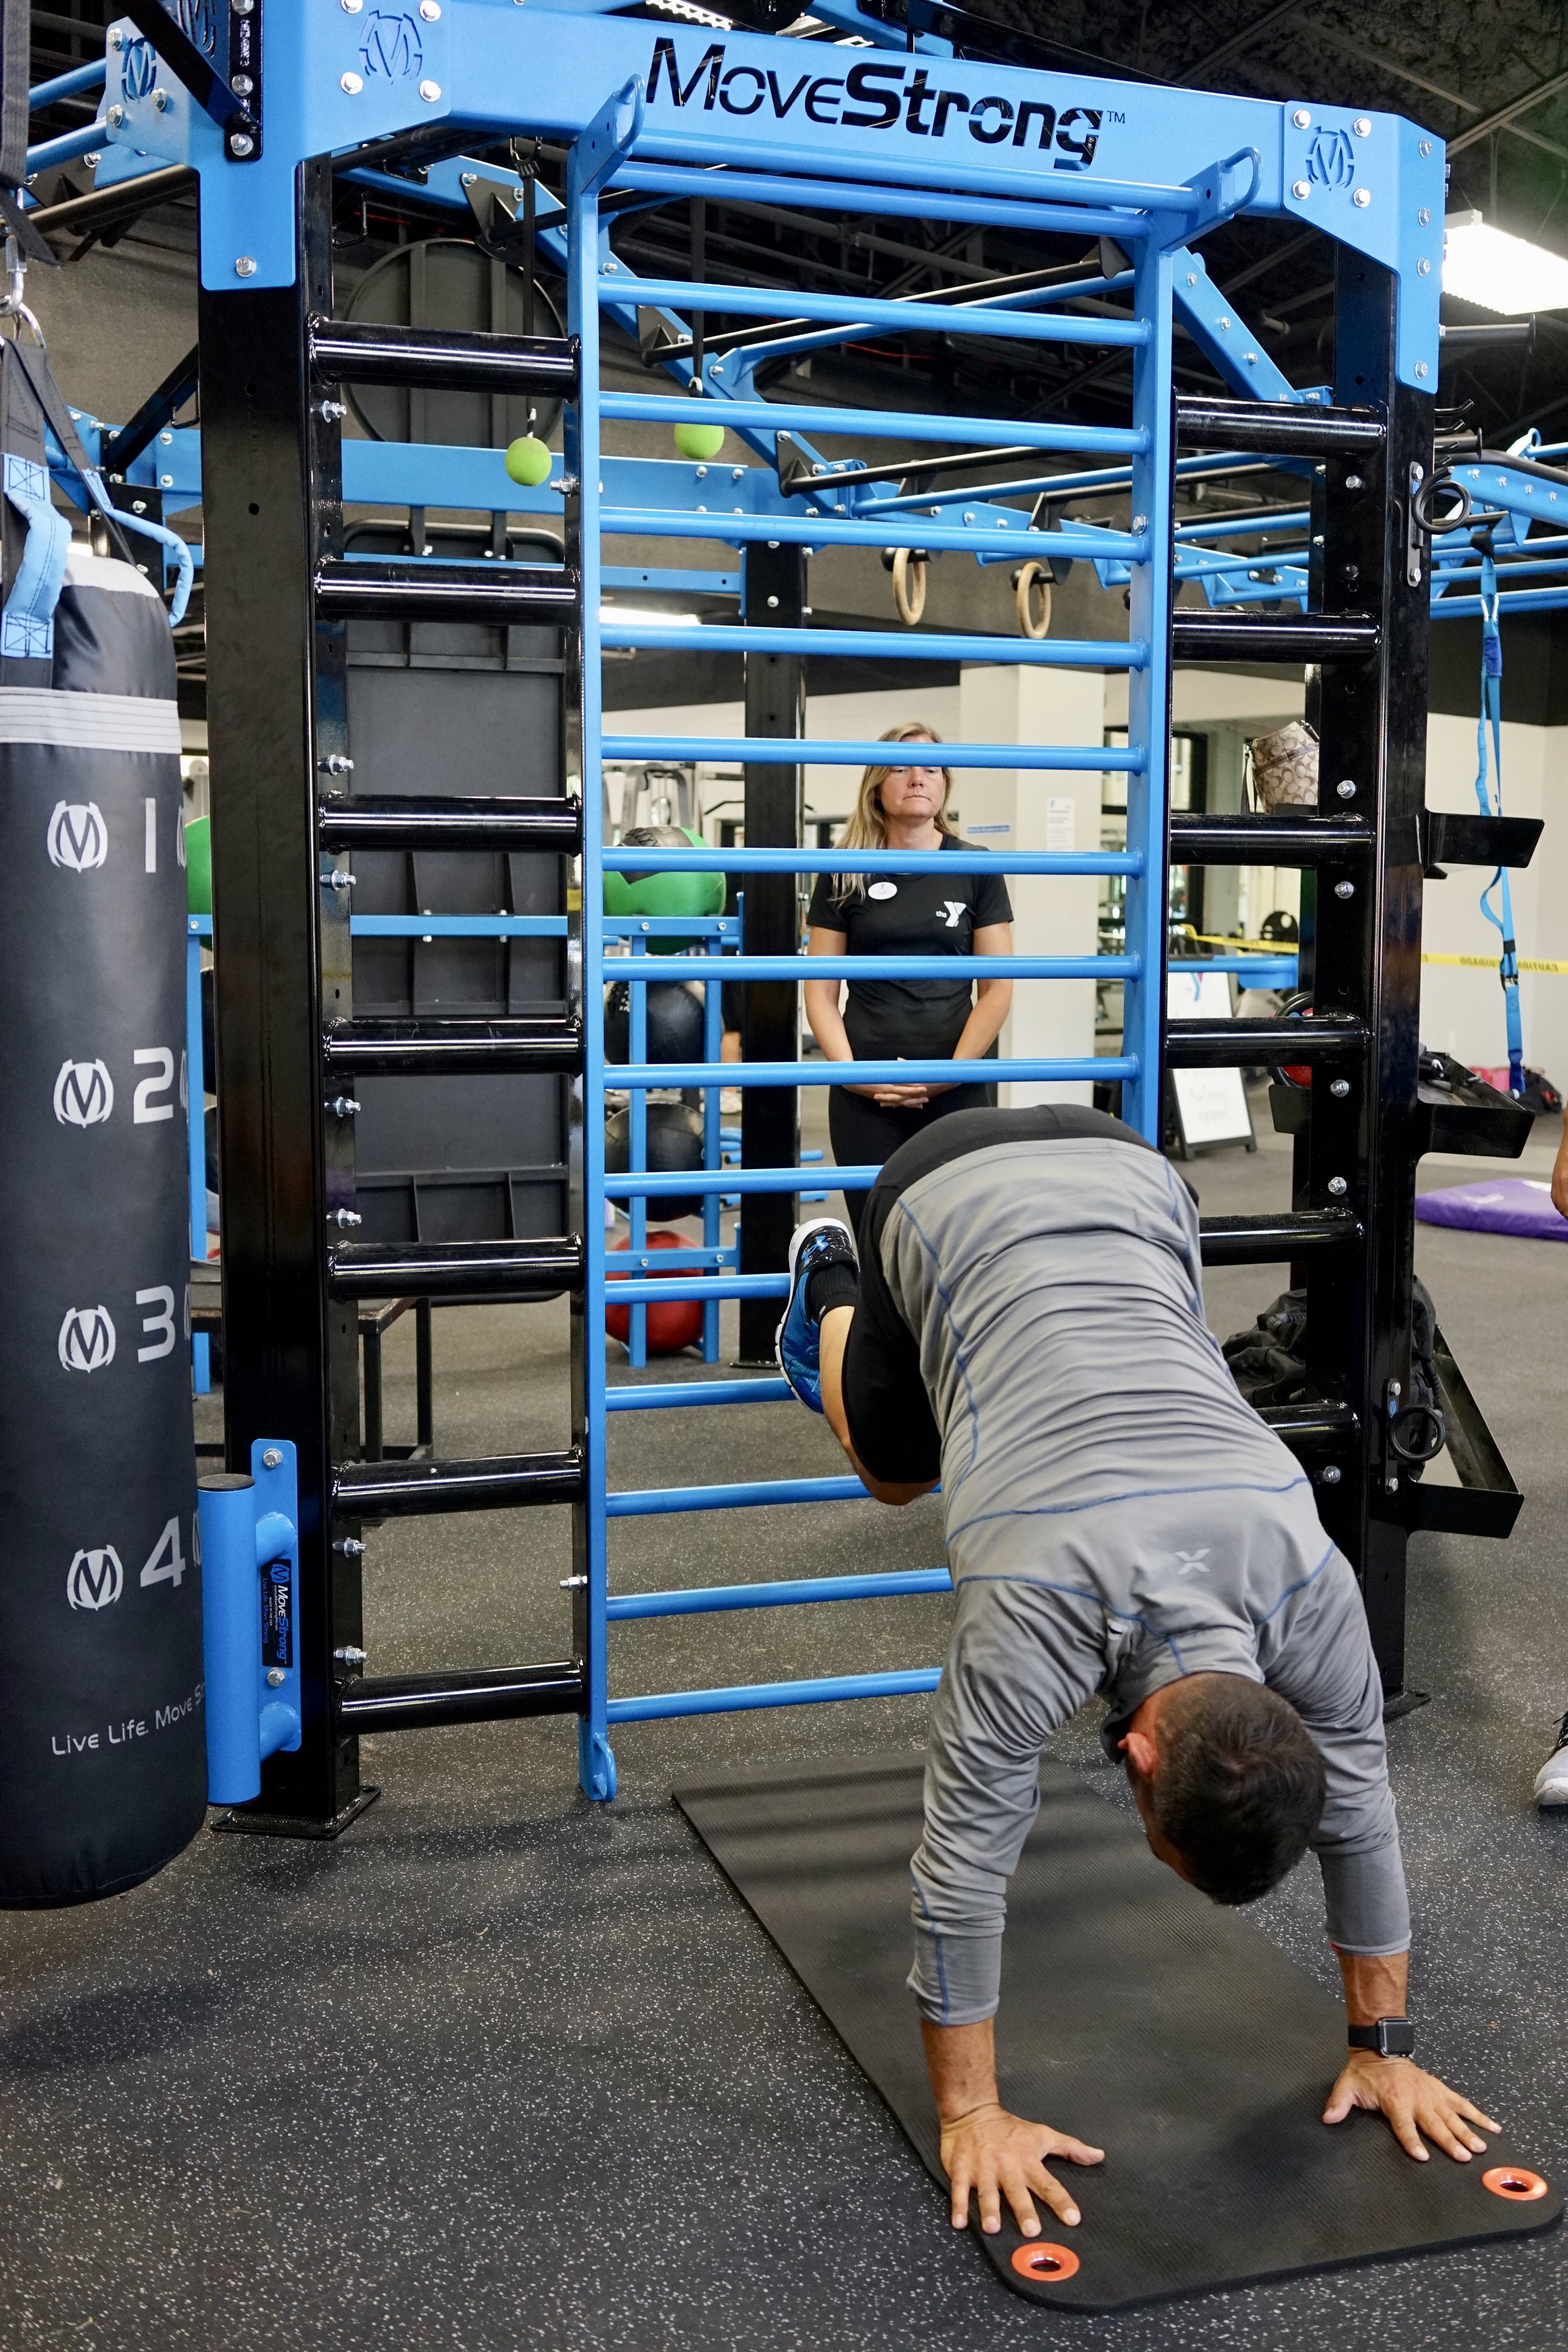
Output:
x,y
670,1328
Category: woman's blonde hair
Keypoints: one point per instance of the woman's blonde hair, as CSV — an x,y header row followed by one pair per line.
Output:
x,y
867,828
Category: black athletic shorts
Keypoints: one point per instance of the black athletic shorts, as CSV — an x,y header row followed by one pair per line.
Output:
x,y
891,1425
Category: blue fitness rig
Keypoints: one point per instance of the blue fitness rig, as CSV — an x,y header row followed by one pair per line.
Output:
x,y
264,101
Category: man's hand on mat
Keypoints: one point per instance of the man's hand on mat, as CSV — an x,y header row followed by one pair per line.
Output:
x,y
1414,2101
997,2155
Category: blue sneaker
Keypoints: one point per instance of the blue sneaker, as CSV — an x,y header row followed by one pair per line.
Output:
x,y
797,1343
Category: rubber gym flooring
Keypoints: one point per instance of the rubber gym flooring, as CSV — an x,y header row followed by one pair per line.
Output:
x,y
501,2069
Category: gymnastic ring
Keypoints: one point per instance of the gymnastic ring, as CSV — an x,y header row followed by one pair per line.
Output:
x,y
1029,579
1425,1446
1508,2181
1049,2265
909,585
1421,505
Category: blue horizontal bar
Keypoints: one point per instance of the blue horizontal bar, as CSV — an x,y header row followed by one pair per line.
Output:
x,y
819,531
622,860
709,1256
704,1599
656,575
1523,600
664,1396
458,927
791,417
66,85
815,752
850,310
907,203
65,148
740,1180
659,1290
668,926
752,1494
740,1697
867,1074
1264,972
877,968
882,645
1244,527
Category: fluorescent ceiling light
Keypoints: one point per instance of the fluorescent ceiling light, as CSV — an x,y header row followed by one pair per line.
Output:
x,y
639,617
1499,272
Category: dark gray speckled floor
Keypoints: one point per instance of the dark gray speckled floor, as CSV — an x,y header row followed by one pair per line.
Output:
x,y
501,2071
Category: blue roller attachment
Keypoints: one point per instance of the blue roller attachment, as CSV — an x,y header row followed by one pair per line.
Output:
x,y
66,148
740,1697
790,1595
66,85
250,1578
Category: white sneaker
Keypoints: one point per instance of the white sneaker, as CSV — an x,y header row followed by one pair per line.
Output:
x,y
1552,1780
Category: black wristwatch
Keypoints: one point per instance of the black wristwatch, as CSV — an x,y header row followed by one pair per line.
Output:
x,y
1390,2037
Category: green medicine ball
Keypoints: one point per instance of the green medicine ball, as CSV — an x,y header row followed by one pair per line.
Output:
x,y
691,894
199,865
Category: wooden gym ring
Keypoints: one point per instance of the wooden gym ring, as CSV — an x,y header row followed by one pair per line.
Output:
x,y
1048,2265
1032,580
909,585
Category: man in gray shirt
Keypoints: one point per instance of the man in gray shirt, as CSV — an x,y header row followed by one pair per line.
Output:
x,y
1026,1326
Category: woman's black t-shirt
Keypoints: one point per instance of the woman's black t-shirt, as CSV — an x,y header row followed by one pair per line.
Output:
x,y
927,914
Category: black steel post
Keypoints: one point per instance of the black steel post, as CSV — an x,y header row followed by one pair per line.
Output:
x,y
1367,950
271,499
773,597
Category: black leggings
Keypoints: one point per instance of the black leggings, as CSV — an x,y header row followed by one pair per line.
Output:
x,y
866,1133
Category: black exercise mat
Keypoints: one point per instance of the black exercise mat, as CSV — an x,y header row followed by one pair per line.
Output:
x,y
1135,2014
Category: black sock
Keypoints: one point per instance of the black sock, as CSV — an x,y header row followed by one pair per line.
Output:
x,y
835,1285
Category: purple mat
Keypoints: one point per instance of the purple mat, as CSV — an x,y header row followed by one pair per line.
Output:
x,y
1506,1205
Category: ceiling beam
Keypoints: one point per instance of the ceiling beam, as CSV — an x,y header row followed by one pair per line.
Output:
x,y
1242,40
1505,116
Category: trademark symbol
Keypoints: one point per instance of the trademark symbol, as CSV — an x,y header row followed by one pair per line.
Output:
x,y
1113,114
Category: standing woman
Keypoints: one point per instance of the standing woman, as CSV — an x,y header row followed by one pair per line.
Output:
x,y
925,914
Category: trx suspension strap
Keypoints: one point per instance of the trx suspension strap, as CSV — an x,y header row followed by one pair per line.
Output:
x,y
1491,806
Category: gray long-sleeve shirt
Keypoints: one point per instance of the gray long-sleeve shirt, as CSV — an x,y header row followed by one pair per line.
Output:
x,y
1117,1517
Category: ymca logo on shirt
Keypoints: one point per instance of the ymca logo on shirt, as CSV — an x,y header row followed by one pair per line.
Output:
x,y
953,910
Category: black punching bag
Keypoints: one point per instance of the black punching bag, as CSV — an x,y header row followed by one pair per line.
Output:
x,y
102,1746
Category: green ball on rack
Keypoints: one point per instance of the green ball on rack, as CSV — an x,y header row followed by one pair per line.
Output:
x,y
702,441
694,896
527,461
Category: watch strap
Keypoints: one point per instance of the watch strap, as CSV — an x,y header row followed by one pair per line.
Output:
x,y
1390,2037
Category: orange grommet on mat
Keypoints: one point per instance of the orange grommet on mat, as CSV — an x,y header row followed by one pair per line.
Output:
x,y
1511,2181
1049,2263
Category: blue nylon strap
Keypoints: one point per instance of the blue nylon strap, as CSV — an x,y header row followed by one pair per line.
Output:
x,y
27,623
1491,799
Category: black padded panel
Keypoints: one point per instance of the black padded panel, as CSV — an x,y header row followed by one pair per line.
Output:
x,y
1135,2014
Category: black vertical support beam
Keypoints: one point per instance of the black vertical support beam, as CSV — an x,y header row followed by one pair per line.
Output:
x,y
1368,944
271,499
774,596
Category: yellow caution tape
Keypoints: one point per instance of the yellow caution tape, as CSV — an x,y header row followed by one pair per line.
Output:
x,y
1489,963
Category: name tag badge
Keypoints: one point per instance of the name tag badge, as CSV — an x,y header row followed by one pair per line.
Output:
x,y
881,891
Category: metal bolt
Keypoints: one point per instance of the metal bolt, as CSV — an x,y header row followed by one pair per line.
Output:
x,y
166,440
1422,370
345,1217
350,1546
1223,325
1423,269
568,484
351,1654
1331,1476
773,603
1345,890
351,82
717,368
1361,198
117,39
1300,190
337,763
343,1105
1191,278
244,266
161,100
608,269
1337,1185
467,178
1425,148
339,880
430,10
430,91
137,506
1353,481
1345,788
116,117
273,1458
1391,1484
1338,1088
242,85
969,514
573,1583
1140,522
1362,125
1394,1392
275,1677
1423,218
241,144
332,410
166,481
1301,119
702,472
352,7
737,473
